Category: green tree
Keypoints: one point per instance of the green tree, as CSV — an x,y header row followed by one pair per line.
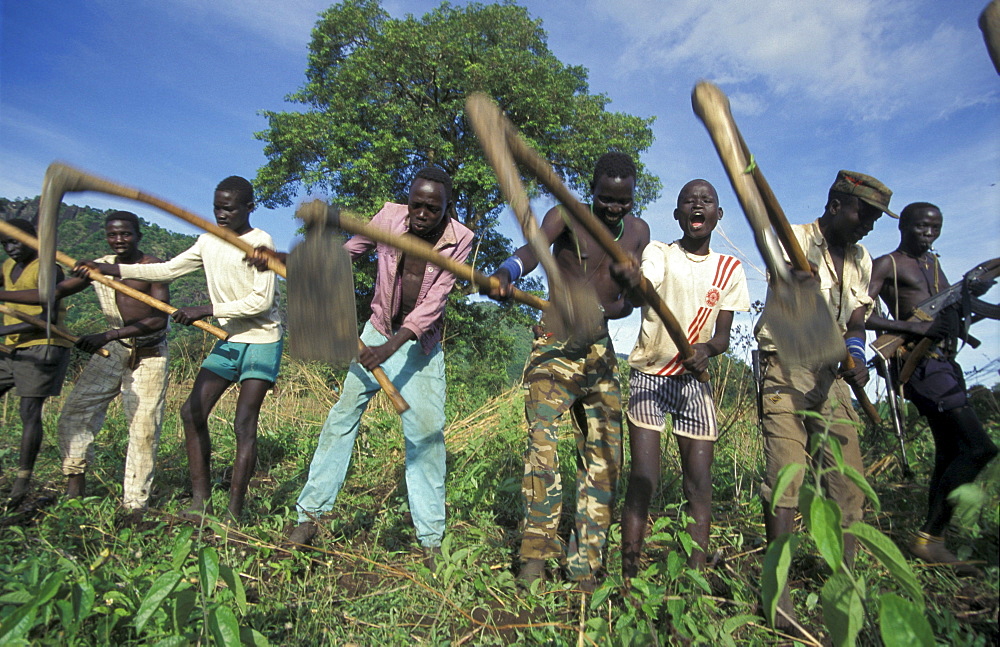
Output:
x,y
386,96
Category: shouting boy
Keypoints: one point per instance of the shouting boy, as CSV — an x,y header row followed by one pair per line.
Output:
x,y
903,279
702,289
245,302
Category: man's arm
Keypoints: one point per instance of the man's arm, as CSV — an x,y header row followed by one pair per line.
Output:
x,y
628,275
425,311
155,322
857,376
65,288
717,345
879,288
553,224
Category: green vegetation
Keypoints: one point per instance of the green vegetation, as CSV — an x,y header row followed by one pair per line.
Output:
x,y
72,574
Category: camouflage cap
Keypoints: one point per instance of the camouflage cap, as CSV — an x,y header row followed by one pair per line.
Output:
x,y
866,188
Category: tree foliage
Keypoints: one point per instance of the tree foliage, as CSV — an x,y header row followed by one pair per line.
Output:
x,y
384,97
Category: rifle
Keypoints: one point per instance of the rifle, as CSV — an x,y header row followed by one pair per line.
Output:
x,y
882,368
758,387
887,344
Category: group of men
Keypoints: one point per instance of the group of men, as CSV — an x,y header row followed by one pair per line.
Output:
x,y
578,376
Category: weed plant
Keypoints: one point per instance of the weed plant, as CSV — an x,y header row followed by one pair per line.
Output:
x,y
72,573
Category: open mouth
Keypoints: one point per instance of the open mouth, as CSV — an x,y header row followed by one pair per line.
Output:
x,y
697,221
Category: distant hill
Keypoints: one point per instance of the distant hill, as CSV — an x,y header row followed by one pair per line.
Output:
x,y
81,235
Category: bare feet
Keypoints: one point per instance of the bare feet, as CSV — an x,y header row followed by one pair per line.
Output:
x,y
18,492
931,549
75,486
197,511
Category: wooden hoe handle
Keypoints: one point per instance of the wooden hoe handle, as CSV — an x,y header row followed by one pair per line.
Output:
x,y
318,211
41,323
70,262
542,170
61,178
754,192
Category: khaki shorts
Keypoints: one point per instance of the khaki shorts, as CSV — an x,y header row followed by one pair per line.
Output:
x,y
34,371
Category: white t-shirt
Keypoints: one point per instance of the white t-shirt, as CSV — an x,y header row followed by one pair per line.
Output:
x,y
245,300
695,289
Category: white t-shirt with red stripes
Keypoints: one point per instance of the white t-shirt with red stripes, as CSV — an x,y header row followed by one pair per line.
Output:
x,y
695,289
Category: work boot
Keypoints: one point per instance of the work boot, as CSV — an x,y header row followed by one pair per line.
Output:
x,y
531,570
931,549
302,534
75,486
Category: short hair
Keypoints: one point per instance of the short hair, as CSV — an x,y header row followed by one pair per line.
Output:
x,y
911,210
23,225
238,185
613,165
436,174
841,196
126,216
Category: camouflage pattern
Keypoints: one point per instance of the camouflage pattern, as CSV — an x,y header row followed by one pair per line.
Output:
x,y
584,382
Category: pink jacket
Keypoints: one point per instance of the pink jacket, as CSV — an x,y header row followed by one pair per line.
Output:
x,y
426,319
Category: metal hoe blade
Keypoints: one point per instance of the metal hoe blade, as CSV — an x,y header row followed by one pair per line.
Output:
x,y
327,295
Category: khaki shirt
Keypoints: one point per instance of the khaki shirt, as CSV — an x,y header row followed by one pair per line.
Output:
x,y
843,297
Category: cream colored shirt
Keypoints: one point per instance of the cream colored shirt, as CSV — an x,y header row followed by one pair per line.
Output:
x,y
245,301
843,295
695,289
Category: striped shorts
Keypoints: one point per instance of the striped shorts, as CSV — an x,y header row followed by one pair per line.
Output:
x,y
688,401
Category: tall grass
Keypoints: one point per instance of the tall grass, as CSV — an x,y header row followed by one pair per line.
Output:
x,y
367,584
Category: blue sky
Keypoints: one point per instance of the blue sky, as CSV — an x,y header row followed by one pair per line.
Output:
x,y
166,96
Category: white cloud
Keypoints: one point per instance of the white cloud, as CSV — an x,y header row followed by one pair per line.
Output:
x,y
863,58
287,24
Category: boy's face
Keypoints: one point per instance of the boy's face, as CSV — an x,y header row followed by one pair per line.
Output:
x,y
231,212
854,219
17,250
613,198
426,204
697,209
919,231
121,236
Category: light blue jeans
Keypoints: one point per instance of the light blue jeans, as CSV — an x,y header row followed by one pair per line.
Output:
x,y
420,379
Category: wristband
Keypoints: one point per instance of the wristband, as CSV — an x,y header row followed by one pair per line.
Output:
x,y
856,347
514,268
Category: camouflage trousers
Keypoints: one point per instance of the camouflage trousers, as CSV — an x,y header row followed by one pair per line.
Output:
x,y
586,384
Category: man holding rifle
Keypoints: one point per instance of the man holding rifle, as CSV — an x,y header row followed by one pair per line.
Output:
x,y
904,279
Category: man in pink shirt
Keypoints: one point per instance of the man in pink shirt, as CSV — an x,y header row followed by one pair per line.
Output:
x,y
403,335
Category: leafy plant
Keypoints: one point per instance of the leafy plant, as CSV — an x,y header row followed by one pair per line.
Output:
x,y
846,597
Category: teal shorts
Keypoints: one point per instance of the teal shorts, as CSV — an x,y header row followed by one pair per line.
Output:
x,y
236,361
